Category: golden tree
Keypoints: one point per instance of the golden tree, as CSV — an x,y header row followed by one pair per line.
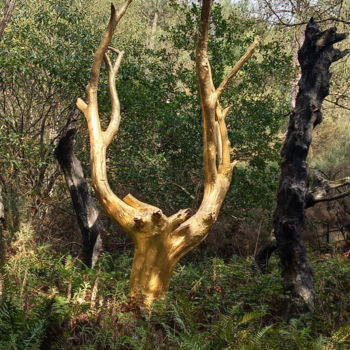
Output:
x,y
160,241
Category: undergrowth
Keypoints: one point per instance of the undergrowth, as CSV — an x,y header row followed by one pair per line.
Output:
x,y
54,303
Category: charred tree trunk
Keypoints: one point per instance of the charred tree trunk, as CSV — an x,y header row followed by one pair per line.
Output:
x,y
319,192
315,57
261,259
85,208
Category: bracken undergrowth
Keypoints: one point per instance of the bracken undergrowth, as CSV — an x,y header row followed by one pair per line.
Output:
x,y
52,302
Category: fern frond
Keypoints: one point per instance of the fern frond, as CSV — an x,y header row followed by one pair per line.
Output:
x,y
250,316
341,334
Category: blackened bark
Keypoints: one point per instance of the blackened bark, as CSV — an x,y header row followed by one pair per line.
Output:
x,y
261,260
85,208
315,57
320,191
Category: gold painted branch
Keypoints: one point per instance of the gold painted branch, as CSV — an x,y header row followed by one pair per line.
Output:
x,y
160,241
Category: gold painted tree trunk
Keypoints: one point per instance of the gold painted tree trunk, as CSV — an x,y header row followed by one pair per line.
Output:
x,y
161,241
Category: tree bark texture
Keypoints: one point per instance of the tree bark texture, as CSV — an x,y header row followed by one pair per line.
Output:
x,y
8,10
315,57
86,211
161,241
152,39
261,259
318,193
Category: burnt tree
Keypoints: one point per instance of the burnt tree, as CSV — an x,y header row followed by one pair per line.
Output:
x,y
315,57
87,213
319,192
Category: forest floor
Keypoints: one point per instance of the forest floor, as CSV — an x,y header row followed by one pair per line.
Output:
x,y
52,302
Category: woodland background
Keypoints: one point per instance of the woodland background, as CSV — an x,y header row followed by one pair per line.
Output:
x,y
49,300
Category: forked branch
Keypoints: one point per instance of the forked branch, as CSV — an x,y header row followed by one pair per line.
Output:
x,y
99,140
133,215
216,145
101,50
237,67
160,241
113,69
207,96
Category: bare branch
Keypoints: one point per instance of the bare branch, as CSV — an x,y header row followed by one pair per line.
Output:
x,y
105,41
281,22
115,207
321,193
336,103
330,19
81,104
323,198
137,204
114,123
177,219
183,189
273,11
202,62
238,66
225,145
338,183
206,90
226,111
217,149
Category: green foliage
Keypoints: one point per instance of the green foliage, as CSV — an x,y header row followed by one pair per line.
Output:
x,y
331,149
210,305
49,301
47,52
158,91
